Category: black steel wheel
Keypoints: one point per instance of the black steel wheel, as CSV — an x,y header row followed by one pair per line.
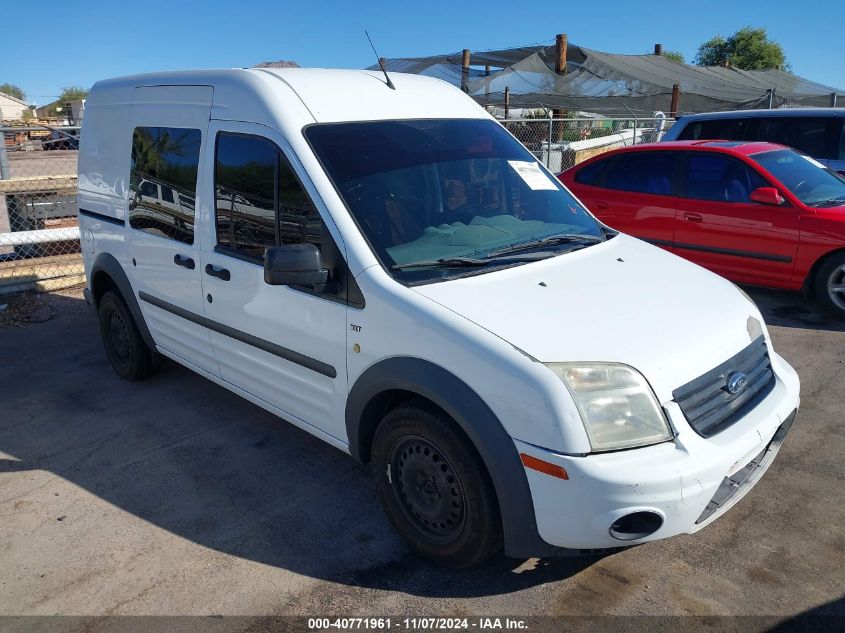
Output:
x,y
427,488
125,348
434,487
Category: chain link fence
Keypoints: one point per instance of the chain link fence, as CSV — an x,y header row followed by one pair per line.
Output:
x,y
39,235
561,143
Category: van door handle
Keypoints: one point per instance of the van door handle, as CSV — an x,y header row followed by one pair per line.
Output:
x,y
602,205
220,273
183,260
693,217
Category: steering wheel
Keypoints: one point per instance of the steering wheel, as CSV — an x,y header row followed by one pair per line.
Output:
x,y
798,187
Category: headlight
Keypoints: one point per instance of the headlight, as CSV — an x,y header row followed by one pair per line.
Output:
x,y
617,405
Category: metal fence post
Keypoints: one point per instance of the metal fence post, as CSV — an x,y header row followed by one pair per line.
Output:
x,y
5,174
635,132
4,158
551,133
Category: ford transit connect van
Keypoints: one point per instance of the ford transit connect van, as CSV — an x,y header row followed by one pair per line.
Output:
x,y
390,270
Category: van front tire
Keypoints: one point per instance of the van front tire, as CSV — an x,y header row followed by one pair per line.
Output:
x,y
434,487
125,348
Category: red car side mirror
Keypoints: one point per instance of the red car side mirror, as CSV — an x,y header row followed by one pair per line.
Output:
x,y
767,195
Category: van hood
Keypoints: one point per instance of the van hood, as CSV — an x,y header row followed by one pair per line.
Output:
x,y
621,301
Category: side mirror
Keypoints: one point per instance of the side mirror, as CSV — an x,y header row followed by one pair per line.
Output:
x,y
767,195
294,265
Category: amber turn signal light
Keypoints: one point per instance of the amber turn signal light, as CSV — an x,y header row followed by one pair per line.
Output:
x,y
544,467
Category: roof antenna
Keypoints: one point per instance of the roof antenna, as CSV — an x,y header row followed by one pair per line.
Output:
x,y
381,65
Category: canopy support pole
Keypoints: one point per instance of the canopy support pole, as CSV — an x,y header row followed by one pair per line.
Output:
x,y
487,85
465,71
676,96
561,44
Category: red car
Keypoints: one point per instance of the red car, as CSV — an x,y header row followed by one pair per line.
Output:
x,y
756,213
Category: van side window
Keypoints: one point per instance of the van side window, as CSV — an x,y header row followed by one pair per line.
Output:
x,y
245,194
840,123
298,219
720,178
164,159
261,203
807,134
741,129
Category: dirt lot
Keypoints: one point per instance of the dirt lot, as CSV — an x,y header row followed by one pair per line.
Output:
x,y
174,496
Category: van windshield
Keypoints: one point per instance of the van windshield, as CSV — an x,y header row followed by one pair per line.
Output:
x,y
448,197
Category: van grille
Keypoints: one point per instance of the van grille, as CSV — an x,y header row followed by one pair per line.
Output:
x,y
708,405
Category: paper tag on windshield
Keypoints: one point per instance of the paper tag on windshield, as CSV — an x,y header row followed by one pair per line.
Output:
x,y
533,176
814,162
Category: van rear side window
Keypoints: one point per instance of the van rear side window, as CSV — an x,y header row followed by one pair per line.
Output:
x,y
164,161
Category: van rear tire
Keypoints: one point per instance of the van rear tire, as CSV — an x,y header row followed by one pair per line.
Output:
x,y
434,487
130,357
829,278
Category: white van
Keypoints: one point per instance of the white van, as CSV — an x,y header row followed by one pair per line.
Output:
x,y
390,270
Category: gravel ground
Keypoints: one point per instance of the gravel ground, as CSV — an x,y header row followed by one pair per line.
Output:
x,y
25,309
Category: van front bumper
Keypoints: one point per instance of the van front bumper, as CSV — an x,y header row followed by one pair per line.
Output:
x,y
687,483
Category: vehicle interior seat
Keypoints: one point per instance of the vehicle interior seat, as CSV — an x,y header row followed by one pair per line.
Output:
x,y
660,185
737,187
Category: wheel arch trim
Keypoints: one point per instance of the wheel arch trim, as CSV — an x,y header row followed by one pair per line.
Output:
x,y
496,448
821,260
108,264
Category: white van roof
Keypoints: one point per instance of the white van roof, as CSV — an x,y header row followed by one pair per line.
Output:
x,y
328,95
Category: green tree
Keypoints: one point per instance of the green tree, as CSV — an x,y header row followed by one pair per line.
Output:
x,y
13,90
72,93
747,49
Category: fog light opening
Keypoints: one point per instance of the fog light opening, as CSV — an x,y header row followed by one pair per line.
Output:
x,y
636,525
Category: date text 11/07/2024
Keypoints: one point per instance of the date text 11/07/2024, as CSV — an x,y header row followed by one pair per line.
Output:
x,y
417,624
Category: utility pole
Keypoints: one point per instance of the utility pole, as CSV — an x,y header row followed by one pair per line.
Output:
x,y
658,49
465,71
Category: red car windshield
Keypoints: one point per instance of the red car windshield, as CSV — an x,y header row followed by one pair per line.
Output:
x,y
811,182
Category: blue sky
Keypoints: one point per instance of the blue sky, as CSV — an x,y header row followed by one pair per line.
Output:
x,y
86,41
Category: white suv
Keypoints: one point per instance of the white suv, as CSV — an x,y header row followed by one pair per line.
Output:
x,y
387,268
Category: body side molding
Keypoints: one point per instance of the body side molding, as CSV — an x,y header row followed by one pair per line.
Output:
x,y
720,251
277,350
101,217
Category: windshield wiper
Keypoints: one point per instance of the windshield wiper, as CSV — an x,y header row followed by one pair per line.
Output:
x,y
444,262
559,238
462,262
832,202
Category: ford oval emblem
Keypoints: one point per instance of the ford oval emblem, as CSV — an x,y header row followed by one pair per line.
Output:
x,y
737,381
